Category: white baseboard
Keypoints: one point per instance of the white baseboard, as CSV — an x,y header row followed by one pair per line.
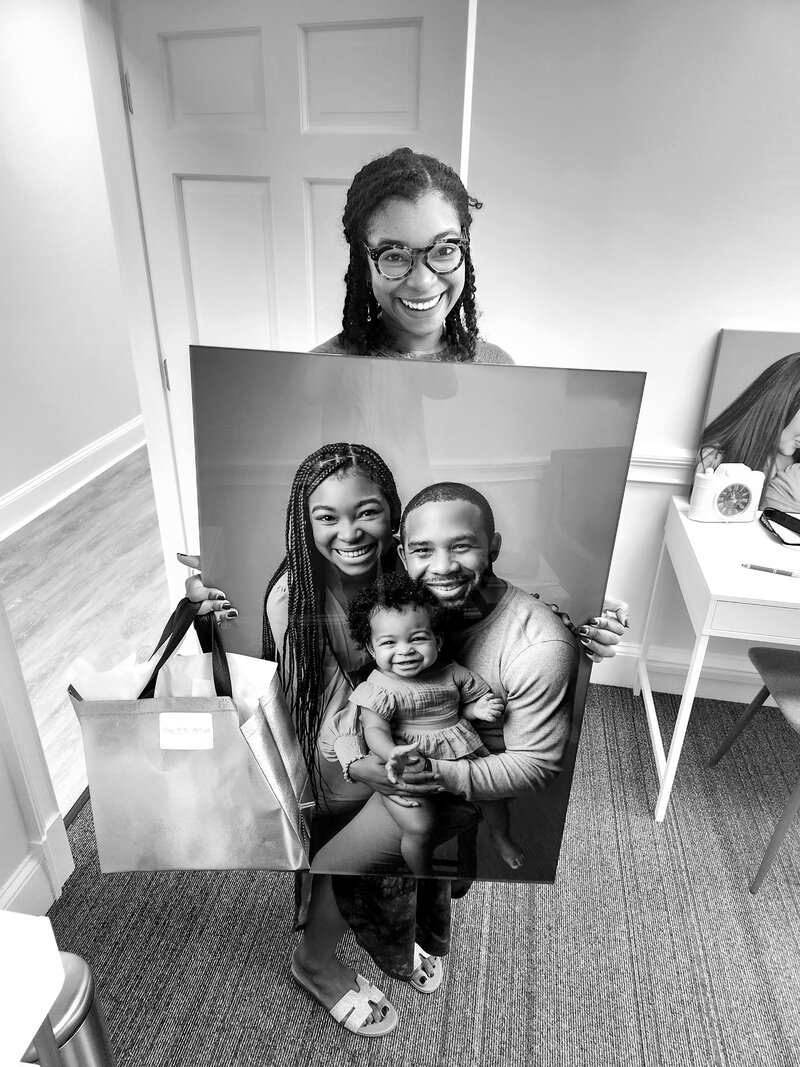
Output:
x,y
38,880
56,483
28,890
724,677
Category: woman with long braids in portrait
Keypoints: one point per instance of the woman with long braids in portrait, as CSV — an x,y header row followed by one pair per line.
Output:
x,y
341,518
410,294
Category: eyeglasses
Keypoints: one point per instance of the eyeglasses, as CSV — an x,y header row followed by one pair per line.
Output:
x,y
397,261
771,515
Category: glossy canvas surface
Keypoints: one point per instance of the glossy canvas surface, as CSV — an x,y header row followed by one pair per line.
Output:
x,y
549,448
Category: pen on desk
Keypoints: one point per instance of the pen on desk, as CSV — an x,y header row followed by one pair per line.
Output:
x,y
771,570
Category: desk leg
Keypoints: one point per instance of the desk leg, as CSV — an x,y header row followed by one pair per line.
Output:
x,y
641,680
684,711
642,661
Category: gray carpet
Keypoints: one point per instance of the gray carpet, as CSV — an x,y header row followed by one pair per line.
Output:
x,y
648,949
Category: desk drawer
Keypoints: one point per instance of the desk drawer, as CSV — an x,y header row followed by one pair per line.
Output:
x,y
765,620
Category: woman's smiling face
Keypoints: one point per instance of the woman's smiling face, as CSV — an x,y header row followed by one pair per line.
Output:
x,y
350,522
414,308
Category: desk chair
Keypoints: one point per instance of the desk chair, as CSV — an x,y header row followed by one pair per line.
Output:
x,y
780,671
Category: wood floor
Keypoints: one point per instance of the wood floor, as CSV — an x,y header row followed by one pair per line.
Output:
x,y
86,579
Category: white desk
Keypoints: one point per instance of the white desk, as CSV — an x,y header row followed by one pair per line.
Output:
x,y
723,599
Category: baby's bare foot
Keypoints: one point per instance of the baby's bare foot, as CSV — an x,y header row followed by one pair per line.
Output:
x,y
510,852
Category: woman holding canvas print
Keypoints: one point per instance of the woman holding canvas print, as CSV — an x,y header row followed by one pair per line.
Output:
x,y
410,293
761,429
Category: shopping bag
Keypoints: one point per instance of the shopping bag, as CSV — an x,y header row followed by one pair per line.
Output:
x,y
193,763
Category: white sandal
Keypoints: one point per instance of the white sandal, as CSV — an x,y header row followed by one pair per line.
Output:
x,y
353,1009
420,979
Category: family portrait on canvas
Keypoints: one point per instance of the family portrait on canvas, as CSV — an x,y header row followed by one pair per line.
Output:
x,y
423,594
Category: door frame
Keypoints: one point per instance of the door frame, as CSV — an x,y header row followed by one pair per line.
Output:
x,y
106,73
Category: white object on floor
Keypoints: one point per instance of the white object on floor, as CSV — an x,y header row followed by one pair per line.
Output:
x,y
31,977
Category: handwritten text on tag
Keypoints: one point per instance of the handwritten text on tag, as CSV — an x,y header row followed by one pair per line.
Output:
x,y
192,729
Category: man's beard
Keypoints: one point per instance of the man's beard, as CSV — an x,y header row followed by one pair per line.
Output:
x,y
468,608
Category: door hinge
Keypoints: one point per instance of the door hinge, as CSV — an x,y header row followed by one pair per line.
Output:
x,y
128,97
166,375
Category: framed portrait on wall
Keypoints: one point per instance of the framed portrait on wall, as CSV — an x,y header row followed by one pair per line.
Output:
x,y
752,414
394,531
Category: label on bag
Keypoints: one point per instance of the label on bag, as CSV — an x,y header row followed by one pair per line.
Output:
x,y
186,729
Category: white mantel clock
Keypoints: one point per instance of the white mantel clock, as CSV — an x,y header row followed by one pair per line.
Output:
x,y
728,494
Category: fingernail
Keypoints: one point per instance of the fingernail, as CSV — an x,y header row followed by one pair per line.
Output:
x,y
220,596
233,614
595,622
625,622
583,631
226,603
584,643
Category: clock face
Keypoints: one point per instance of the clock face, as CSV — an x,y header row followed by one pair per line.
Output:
x,y
734,499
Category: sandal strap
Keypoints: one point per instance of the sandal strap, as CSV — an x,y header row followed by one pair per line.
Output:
x,y
420,955
355,1007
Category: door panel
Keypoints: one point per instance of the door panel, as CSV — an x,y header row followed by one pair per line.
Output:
x,y
227,235
249,119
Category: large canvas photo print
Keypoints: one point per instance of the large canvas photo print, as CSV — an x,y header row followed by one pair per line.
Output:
x,y
416,544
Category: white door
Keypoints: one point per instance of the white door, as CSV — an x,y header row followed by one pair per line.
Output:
x,y
248,119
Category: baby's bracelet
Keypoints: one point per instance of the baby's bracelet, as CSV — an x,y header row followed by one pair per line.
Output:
x,y
349,764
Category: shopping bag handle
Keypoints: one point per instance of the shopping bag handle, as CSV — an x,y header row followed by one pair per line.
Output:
x,y
207,629
176,629
177,626
208,634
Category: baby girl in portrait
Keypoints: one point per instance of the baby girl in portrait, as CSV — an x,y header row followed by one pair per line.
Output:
x,y
414,707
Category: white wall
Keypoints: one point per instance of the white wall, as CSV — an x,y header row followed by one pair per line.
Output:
x,y
646,156
70,400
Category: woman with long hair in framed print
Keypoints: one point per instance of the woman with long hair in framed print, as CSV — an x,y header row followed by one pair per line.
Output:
x,y
761,428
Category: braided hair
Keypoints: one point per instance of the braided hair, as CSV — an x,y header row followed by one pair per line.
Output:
x,y
307,636
402,175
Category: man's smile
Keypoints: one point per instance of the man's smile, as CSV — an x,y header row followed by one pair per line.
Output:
x,y
449,586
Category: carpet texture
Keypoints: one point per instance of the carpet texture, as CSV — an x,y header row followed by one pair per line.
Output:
x,y
648,949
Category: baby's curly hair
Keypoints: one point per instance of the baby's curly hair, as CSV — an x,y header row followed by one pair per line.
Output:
x,y
393,592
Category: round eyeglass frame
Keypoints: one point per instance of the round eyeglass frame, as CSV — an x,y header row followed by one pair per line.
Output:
x,y
462,243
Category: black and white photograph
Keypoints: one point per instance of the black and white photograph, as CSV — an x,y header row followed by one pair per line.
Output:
x,y
399,599
753,412
410,540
